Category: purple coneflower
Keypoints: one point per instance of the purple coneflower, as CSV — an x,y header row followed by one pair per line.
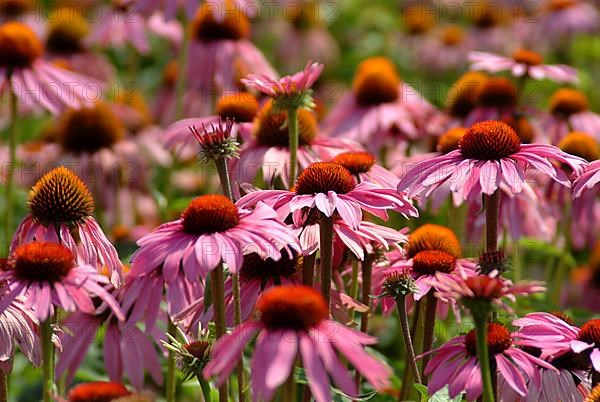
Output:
x,y
37,83
294,320
119,25
330,188
523,63
48,276
61,211
220,50
569,111
490,154
456,364
212,230
379,108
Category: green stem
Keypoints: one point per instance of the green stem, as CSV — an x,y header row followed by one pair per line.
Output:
x,y
354,284
294,139
367,274
408,392
182,71
308,269
47,360
326,252
205,387
223,171
171,391
430,310
12,160
492,210
411,359
288,389
237,320
218,297
483,356
562,268
3,386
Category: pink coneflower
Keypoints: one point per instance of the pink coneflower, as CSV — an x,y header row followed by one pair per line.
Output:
x,y
126,349
569,111
523,63
267,146
497,99
94,142
379,109
304,36
330,189
18,326
37,83
548,335
212,230
288,86
48,276
456,364
61,211
294,319
484,287
430,249
564,19
429,269
444,50
588,179
65,45
120,25
220,50
490,154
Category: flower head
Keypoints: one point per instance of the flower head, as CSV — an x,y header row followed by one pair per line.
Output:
x,y
331,189
455,364
19,46
490,155
290,91
524,62
216,141
212,230
61,209
22,66
47,276
89,129
292,320
474,291
60,197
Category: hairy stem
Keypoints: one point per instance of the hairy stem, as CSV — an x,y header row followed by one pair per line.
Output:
x,y
483,356
171,391
430,310
308,269
411,359
3,386
492,209
326,251
12,160
48,353
237,320
218,296
292,116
